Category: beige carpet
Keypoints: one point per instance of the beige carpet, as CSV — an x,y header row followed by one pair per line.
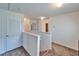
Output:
x,y
16,52
57,50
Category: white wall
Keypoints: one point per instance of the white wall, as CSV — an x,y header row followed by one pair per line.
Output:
x,y
27,24
65,29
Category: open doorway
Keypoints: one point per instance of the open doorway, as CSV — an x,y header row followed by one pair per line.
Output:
x,y
46,27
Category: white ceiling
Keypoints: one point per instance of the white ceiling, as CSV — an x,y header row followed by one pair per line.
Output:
x,y
40,9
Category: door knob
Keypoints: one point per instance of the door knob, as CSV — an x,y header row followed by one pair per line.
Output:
x,y
6,35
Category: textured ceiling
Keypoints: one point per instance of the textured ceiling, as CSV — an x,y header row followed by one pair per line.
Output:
x,y
40,9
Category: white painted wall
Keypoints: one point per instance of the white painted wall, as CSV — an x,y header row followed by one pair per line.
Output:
x,y
65,29
39,25
27,24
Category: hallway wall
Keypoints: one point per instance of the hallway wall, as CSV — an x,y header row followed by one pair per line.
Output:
x,y
65,29
27,24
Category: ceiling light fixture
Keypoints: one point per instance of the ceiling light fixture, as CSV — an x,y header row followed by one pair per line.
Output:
x,y
42,18
24,19
58,4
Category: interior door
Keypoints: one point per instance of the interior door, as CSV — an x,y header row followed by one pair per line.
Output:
x,y
2,33
13,31
10,30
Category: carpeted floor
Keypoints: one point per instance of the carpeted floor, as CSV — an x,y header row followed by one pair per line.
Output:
x,y
16,52
57,50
